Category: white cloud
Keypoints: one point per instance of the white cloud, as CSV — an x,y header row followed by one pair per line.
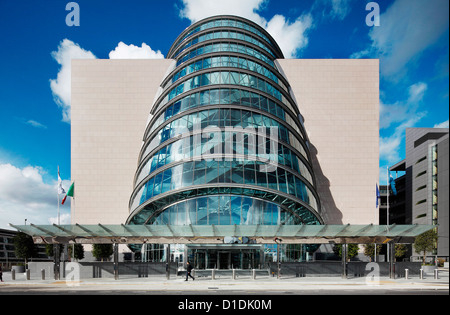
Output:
x,y
442,124
332,9
390,146
404,114
64,218
403,110
340,9
67,50
36,124
25,195
290,36
196,10
124,51
407,29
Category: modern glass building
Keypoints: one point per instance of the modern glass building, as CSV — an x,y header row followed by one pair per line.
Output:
x,y
225,145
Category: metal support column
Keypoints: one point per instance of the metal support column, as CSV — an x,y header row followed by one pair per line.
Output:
x,y
344,261
168,261
278,258
392,260
56,267
116,261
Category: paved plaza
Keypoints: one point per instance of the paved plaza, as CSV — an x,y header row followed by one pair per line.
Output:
x,y
226,285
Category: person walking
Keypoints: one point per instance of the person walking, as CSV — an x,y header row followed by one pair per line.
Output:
x,y
1,274
188,271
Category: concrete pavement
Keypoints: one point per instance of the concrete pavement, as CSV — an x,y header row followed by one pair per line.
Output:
x,y
260,285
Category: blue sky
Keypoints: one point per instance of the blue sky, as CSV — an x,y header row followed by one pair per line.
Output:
x,y
36,45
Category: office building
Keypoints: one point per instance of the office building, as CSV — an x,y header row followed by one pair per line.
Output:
x,y
422,187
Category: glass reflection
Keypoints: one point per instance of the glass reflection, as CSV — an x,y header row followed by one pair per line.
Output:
x,y
222,210
207,172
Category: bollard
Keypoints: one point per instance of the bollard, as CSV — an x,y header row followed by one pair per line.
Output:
x,y
436,274
43,274
253,274
28,274
421,273
213,274
234,274
406,273
13,274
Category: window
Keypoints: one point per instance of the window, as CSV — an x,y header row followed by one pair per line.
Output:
x,y
421,187
421,173
421,202
421,159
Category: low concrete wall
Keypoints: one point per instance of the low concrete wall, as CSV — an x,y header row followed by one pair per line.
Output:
x,y
90,270
334,268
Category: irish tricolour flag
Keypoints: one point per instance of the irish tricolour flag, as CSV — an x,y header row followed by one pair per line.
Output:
x,y
70,193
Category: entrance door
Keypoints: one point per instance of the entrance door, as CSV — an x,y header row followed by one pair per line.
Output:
x,y
224,260
200,260
250,259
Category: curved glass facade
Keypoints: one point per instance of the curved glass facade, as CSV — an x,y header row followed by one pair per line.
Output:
x,y
235,119
225,96
223,35
225,145
230,47
224,210
228,22
254,82
226,62
183,150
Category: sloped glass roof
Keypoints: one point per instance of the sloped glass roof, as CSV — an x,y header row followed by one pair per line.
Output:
x,y
216,233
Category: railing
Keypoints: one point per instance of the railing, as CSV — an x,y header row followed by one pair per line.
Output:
x,y
288,270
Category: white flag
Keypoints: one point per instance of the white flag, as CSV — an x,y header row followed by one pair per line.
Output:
x,y
60,187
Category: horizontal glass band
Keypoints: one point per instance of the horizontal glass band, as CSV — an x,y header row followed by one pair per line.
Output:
x,y
202,172
189,148
224,210
219,47
226,96
223,78
306,215
225,61
222,23
220,118
223,34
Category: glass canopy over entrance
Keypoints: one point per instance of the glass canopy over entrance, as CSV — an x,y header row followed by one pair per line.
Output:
x,y
221,234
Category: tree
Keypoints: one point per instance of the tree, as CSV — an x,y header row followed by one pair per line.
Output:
x,y
400,250
369,250
50,249
77,252
352,250
102,251
24,247
425,242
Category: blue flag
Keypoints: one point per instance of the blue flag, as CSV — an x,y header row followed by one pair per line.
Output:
x,y
392,182
378,195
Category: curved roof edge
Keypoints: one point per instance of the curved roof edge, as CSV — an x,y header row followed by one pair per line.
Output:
x,y
215,17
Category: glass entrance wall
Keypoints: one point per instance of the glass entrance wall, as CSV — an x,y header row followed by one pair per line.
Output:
x,y
226,257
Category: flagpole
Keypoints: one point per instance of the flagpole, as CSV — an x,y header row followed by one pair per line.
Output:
x,y
387,208
57,192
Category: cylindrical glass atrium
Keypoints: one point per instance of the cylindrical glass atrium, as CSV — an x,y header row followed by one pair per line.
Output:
x,y
225,143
